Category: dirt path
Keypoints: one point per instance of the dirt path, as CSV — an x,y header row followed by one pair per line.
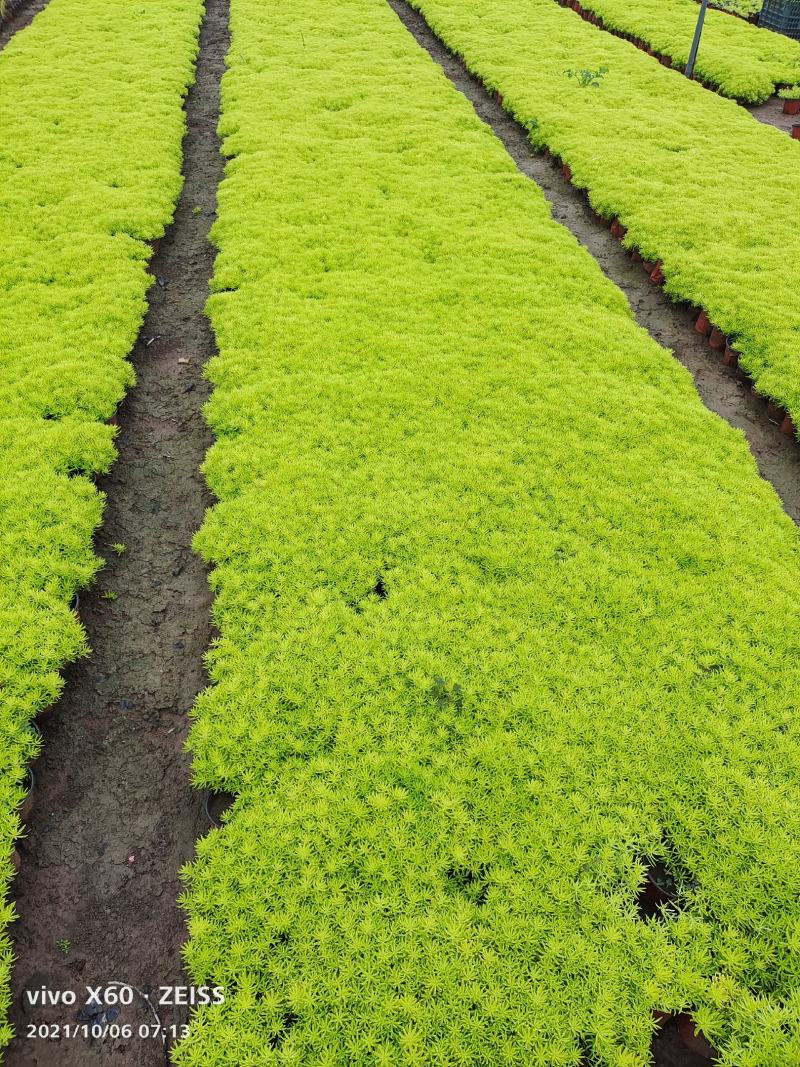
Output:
x,y
772,114
115,816
722,389
19,13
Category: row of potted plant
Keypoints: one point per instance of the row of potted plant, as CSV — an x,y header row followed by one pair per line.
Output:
x,y
717,340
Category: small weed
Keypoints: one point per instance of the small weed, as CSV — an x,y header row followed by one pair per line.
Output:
x,y
109,594
64,944
118,548
588,79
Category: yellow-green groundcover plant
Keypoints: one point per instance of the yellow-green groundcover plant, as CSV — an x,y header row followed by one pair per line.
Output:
x,y
503,610
91,122
700,184
739,59
743,8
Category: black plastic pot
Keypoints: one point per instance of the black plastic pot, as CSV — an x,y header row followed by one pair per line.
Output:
x,y
26,808
216,804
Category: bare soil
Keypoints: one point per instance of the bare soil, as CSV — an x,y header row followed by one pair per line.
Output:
x,y
722,389
772,114
115,816
19,13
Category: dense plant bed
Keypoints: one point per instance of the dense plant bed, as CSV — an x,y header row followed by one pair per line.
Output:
x,y
738,59
505,613
744,9
702,188
91,123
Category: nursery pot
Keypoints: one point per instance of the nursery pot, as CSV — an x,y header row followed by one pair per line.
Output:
x,y
791,107
717,339
26,808
702,325
695,1041
36,730
796,131
216,805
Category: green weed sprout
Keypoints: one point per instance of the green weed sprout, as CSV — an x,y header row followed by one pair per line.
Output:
x,y
588,79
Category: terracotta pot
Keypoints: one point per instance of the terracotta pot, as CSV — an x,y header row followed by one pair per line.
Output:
x,y
648,265
567,172
636,255
702,325
796,132
717,339
657,276
788,427
694,1040
499,98
791,107
731,356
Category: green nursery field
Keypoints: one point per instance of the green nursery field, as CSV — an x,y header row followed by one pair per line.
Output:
x,y
505,612
89,171
506,618
700,185
741,60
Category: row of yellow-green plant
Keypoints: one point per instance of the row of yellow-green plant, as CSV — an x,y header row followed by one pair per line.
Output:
x,y
700,185
91,123
505,612
740,60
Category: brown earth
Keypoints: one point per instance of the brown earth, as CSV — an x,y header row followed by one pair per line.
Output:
x,y
19,14
772,114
